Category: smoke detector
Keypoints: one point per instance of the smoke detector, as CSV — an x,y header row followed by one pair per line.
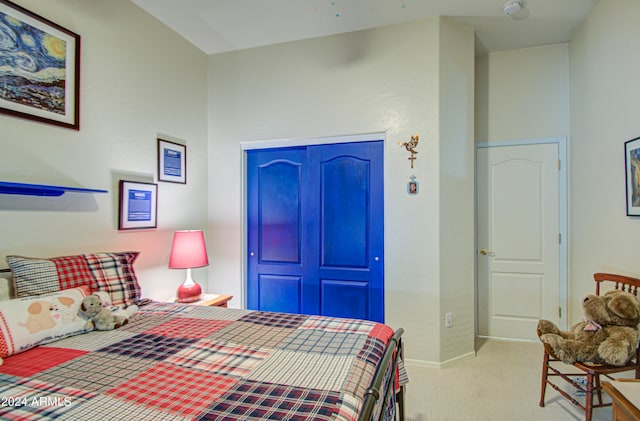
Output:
x,y
512,7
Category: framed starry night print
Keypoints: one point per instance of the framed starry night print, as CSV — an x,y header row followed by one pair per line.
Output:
x,y
40,78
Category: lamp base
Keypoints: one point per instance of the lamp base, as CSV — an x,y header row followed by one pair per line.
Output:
x,y
189,293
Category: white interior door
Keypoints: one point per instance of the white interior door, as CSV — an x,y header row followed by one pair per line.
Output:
x,y
518,230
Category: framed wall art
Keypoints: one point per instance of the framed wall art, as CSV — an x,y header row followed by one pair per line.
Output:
x,y
138,205
413,187
172,162
41,68
632,172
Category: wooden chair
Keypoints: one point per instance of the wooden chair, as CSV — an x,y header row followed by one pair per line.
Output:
x,y
589,372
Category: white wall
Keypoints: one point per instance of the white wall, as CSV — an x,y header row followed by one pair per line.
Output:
x,y
604,114
381,80
457,175
586,89
138,79
522,94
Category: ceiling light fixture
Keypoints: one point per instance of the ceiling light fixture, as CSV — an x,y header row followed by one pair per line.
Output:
x,y
510,8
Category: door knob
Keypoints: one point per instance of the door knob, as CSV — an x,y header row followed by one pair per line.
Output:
x,y
486,252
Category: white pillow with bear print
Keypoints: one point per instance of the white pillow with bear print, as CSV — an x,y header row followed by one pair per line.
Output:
x,y
31,321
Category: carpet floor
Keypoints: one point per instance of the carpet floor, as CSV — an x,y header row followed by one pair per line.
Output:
x,y
502,383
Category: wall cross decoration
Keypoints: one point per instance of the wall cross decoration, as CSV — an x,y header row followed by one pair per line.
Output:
x,y
411,147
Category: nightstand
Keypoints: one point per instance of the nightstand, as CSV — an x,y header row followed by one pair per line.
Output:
x,y
212,300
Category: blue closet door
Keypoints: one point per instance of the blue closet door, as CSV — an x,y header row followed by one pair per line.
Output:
x,y
348,231
275,229
316,234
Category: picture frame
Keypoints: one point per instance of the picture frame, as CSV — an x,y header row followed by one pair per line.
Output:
x,y
413,187
40,87
172,162
138,205
632,175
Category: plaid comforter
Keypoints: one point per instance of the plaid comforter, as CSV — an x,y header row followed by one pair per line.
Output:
x,y
176,362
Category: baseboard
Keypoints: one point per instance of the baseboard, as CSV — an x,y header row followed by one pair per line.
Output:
x,y
458,359
441,364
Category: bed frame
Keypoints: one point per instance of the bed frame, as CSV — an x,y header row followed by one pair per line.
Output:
x,y
384,380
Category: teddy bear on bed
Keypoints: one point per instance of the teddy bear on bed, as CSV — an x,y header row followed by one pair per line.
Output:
x,y
102,315
607,335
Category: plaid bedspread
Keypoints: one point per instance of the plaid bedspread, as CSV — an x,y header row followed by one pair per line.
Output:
x,y
176,362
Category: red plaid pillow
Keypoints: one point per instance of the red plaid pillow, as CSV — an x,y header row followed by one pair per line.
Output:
x,y
109,272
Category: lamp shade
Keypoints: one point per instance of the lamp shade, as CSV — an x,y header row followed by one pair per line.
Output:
x,y
188,250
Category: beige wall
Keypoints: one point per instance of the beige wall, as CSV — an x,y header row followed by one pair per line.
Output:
x,y
382,80
604,114
585,90
522,94
456,194
138,79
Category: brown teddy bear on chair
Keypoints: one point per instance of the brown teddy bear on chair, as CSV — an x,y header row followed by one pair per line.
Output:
x,y
608,335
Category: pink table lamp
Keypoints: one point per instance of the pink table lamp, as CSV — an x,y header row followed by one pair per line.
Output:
x,y
188,251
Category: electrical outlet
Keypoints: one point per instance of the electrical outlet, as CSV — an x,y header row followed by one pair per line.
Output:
x,y
448,320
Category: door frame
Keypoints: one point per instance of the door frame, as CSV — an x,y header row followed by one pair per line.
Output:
x,y
286,143
561,142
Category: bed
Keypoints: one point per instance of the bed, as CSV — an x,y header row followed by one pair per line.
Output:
x,y
176,361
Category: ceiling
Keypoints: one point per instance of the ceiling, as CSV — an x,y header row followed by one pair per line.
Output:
x,y
216,26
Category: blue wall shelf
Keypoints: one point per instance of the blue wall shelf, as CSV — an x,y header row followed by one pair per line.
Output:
x,y
7,187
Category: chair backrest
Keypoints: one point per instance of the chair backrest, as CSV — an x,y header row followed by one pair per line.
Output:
x,y
621,282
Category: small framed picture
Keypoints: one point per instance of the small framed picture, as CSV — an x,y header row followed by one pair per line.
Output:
x,y
632,172
413,187
172,162
138,205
